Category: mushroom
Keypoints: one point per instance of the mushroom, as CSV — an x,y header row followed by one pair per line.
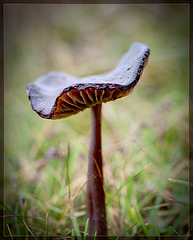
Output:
x,y
58,95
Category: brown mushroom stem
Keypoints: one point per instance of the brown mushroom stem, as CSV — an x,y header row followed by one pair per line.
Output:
x,y
95,189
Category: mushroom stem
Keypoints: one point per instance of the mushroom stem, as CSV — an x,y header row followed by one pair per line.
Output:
x,y
95,189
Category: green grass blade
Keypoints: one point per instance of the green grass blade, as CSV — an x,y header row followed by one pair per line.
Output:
x,y
145,230
125,183
95,235
46,222
76,228
130,190
175,232
177,222
72,234
86,229
153,230
67,161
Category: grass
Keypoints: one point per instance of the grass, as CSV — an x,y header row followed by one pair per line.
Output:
x,y
46,161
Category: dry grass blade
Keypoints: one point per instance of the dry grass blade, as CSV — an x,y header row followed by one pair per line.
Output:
x,y
76,194
174,200
100,174
44,232
157,206
180,181
28,229
72,200
9,232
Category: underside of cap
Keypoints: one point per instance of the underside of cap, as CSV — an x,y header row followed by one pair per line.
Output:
x,y
58,95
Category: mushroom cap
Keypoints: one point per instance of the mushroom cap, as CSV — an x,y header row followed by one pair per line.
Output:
x,y
57,95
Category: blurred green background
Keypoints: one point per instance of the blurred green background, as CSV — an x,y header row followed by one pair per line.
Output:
x,y
150,126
